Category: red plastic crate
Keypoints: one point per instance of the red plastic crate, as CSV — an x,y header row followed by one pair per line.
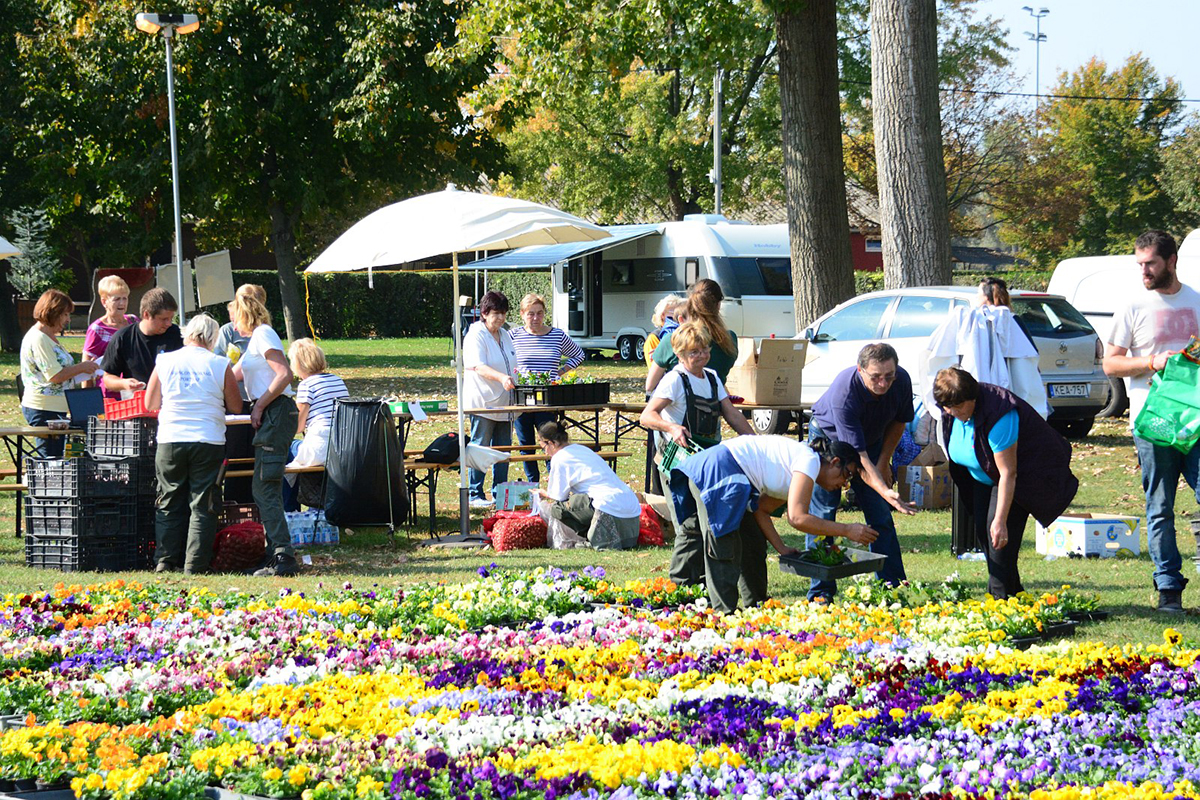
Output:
x,y
132,408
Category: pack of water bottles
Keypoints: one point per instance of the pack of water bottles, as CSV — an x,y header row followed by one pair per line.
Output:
x,y
310,528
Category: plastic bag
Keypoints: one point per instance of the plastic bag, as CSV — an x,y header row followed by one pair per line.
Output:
x,y
558,535
364,471
1171,416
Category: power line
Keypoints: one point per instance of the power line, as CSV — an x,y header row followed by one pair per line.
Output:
x,y
994,93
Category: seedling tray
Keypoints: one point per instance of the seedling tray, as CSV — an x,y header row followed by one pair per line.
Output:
x,y
570,394
860,561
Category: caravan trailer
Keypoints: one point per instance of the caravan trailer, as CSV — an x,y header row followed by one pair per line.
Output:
x,y
605,291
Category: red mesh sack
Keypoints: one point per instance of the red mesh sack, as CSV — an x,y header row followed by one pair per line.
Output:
x,y
239,547
490,522
649,529
518,532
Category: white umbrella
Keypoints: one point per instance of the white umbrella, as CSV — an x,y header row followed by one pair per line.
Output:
x,y
450,222
7,248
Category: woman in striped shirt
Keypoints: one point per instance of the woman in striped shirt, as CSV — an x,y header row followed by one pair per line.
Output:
x,y
540,348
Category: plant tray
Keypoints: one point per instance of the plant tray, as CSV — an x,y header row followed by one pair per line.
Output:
x,y
571,394
860,561
70,478
402,406
52,794
1088,616
132,408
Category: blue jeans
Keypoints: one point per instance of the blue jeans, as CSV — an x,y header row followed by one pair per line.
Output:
x,y
527,425
51,446
488,432
1161,468
878,513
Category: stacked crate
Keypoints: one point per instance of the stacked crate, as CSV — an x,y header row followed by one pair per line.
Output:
x,y
81,514
134,439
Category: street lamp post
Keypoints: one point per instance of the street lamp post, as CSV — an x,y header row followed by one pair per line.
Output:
x,y
170,25
1037,39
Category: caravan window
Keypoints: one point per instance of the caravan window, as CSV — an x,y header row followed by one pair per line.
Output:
x,y
770,276
645,275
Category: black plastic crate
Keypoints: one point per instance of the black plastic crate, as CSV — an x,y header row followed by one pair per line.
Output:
x,y
76,554
108,517
118,438
84,477
146,539
571,394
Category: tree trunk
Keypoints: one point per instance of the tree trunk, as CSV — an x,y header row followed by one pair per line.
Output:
x,y
10,331
815,180
914,215
283,242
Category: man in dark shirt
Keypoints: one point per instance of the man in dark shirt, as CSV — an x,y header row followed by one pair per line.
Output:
x,y
867,406
131,352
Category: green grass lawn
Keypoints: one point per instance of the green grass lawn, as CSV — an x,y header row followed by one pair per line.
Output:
x,y
420,368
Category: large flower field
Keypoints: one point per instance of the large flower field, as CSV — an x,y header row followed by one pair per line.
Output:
x,y
564,685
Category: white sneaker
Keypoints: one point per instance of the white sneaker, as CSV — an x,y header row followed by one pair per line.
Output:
x,y
482,502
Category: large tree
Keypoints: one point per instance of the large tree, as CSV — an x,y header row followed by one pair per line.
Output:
x,y
313,106
1092,178
915,218
822,270
1181,174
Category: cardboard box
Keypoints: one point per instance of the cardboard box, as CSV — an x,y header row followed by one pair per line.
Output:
x,y
1099,536
925,486
768,373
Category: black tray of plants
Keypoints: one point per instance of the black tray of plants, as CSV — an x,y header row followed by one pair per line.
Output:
x,y
563,394
828,562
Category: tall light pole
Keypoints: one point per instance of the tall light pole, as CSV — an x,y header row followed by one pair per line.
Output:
x,y
715,174
170,25
1037,39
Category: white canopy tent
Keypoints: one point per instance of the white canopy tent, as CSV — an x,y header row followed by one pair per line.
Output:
x,y
450,222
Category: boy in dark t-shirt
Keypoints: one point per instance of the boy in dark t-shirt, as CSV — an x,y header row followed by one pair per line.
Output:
x,y
131,352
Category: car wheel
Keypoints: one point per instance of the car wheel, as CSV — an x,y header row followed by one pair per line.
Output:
x,y
1073,428
1118,401
625,348
767,421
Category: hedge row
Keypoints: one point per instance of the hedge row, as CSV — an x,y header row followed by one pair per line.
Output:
x,y
1029,279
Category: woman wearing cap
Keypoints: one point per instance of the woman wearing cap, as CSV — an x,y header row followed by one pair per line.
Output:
x,y
713,491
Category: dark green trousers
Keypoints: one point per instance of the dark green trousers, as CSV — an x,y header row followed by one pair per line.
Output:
x,y
185,518
603,531
271,443
732,566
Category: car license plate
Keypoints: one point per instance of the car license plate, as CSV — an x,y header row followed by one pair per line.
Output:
x,y
1068,390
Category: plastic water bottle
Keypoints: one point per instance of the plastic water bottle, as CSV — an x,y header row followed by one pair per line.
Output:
x,y
973,557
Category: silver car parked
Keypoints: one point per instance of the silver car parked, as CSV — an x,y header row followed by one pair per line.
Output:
x,y
1069,350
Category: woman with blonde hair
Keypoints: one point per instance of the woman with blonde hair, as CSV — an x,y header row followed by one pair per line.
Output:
x,y
539,348
114,296
229,336
267,377
47,369
703,308
193,387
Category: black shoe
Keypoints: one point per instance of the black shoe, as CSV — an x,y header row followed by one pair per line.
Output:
x,y
1170,601
281,566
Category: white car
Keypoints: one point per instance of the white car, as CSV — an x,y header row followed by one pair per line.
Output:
x,y
1070,352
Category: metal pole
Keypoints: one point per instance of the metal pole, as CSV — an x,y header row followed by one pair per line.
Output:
x,y
464,514
718,103
168,33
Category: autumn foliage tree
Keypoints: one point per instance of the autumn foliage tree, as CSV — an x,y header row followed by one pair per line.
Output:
x,y
1091,179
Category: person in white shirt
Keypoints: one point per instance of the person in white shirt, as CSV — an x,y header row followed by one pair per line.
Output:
x,y
755,474
268,380
194,388
1154,326
689,403
586,494
491,367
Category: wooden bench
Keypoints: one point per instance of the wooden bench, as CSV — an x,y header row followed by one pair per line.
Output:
x,y
13,487
249,473
423,475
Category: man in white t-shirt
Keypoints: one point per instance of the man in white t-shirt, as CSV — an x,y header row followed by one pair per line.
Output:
x,y
1154,326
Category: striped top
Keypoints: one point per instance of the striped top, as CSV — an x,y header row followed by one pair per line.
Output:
x,y
545,353
319,391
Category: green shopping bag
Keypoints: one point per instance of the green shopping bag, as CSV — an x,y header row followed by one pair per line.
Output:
x,y
1171,415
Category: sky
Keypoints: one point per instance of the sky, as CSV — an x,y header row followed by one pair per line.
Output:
x,y
1166,31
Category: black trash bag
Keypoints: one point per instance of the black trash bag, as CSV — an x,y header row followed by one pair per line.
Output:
x,y
364,452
